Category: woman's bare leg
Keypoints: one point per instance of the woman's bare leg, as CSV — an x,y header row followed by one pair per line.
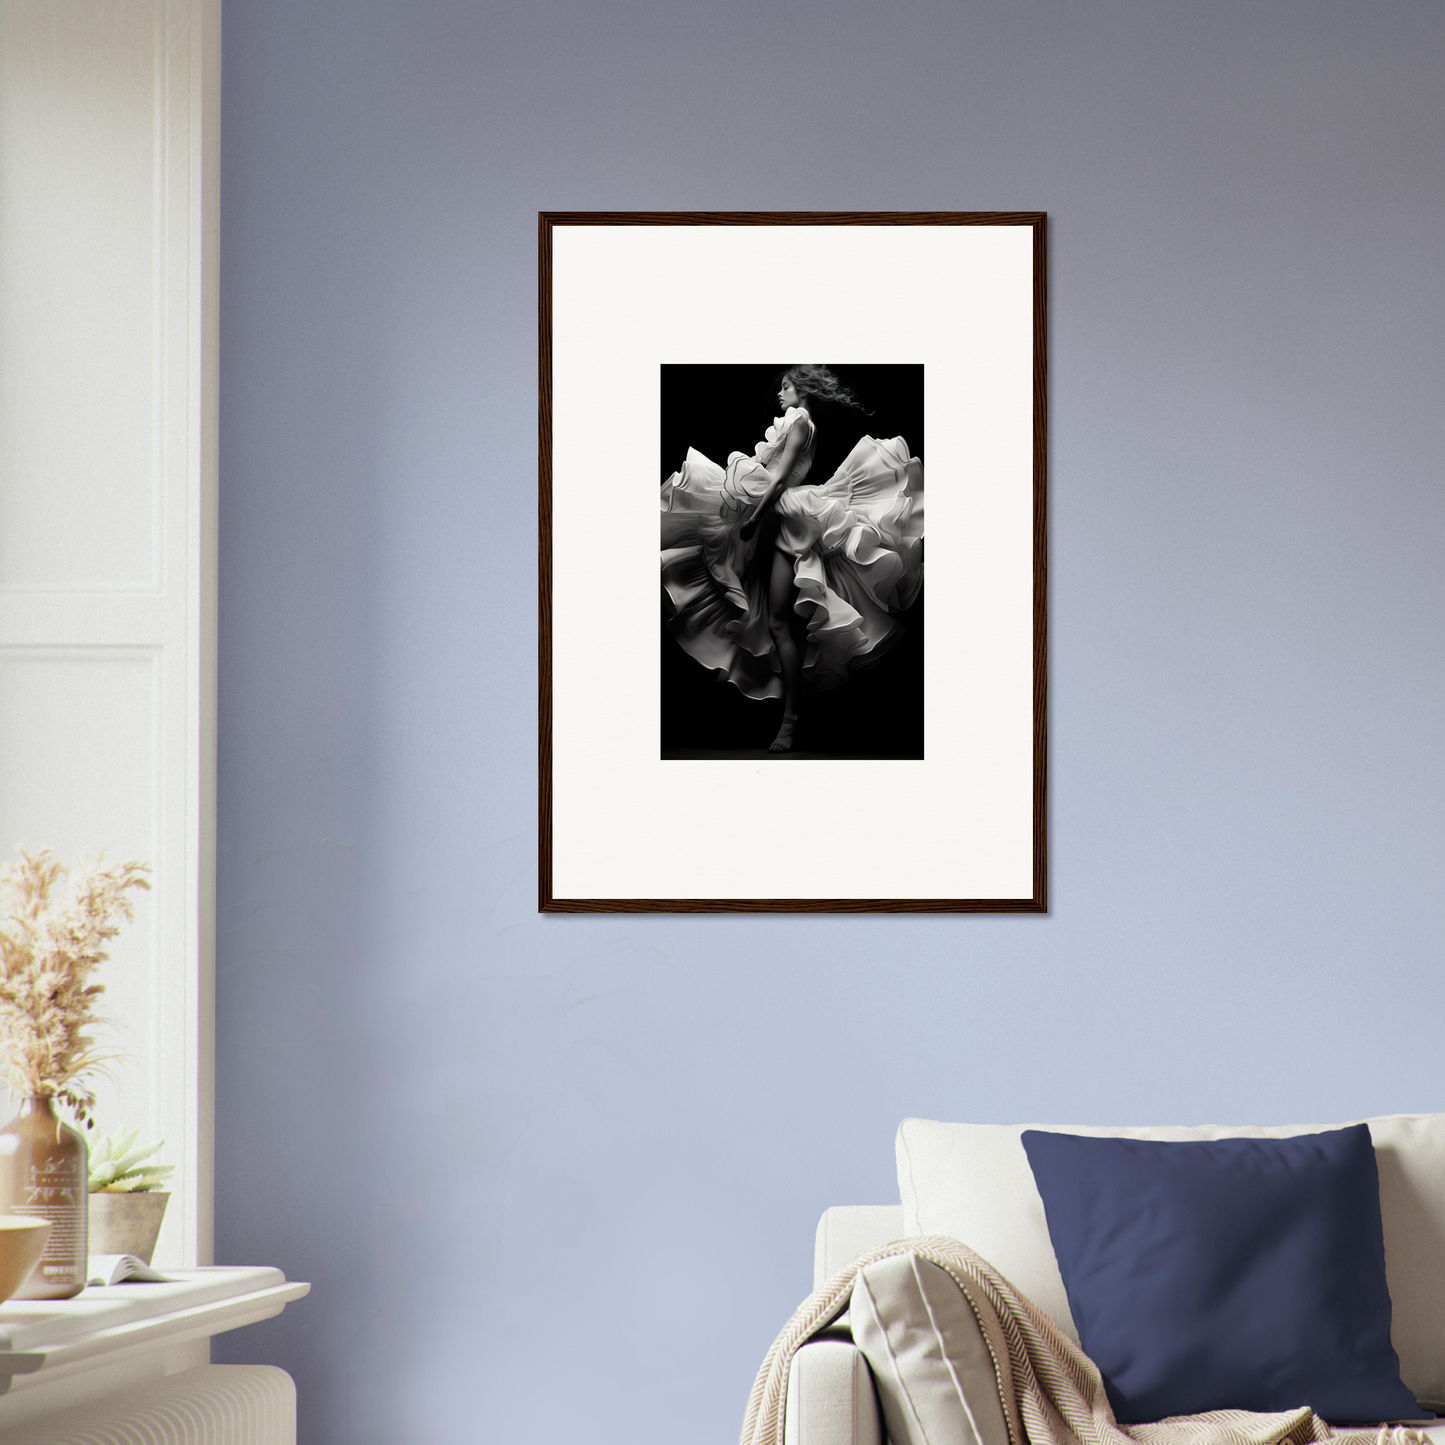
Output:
x,y
786,629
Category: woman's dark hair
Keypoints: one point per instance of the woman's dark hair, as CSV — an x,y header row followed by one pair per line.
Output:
x,y
818,381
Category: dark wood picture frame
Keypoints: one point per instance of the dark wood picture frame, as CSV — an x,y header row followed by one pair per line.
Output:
x,y
548,900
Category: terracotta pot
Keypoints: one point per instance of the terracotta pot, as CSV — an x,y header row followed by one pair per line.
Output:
x,y
45,1177
126,1223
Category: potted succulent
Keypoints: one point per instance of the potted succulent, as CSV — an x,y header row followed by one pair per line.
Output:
x,y
127,1202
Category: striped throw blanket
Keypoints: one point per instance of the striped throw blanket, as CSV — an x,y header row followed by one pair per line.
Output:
x,y
1051,1392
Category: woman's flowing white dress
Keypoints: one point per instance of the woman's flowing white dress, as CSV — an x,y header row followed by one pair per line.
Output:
x,y
857,546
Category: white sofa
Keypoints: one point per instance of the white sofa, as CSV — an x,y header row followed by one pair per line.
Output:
x,y
831,1400
973,1182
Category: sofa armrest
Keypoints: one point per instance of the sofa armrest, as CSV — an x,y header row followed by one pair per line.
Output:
x,y
848,1230
830,1397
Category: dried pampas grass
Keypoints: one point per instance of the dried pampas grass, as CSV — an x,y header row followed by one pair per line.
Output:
x,y
49,947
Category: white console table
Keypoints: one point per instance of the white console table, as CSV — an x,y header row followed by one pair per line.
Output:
x,y
68,1361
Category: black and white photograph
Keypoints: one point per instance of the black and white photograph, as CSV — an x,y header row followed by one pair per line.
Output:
x,y
792,507
740,695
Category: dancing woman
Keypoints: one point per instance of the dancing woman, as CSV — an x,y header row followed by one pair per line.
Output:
x,y
777,585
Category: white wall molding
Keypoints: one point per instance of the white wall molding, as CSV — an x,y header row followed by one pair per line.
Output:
x,y
109,162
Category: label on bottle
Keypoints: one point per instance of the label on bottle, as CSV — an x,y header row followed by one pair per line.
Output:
x,y
56,1189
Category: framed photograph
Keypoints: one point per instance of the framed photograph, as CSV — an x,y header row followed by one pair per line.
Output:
x,y
792,721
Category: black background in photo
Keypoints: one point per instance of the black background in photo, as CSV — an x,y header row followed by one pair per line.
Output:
x,y
878,713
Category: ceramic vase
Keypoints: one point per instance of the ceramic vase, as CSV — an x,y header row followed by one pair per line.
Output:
x,y
44,1174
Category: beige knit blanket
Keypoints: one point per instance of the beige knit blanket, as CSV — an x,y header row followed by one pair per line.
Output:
x,y
1051,1392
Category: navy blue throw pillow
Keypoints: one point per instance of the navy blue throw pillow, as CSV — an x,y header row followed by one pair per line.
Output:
x,y
1221,1274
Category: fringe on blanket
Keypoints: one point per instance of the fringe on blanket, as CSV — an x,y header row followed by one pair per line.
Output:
x,y
1050,1391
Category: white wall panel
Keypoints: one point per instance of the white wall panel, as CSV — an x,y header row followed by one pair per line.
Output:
x,y
80,743
108,114
81,749
81,174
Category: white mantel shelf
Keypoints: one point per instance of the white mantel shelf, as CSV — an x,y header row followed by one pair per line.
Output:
x,y
45,1340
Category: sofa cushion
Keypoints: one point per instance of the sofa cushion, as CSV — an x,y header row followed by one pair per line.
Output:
x,y
936,1378
973,1181
1243,1274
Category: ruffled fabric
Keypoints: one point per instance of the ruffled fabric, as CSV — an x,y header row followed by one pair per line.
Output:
x,y
856,541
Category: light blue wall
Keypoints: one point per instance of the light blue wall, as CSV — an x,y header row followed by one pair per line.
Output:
x,y
555,1180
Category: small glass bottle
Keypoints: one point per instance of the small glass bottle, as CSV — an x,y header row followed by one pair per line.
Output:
x,y
44,1173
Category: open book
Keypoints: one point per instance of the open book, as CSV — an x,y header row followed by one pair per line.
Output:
x,y
121,1269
